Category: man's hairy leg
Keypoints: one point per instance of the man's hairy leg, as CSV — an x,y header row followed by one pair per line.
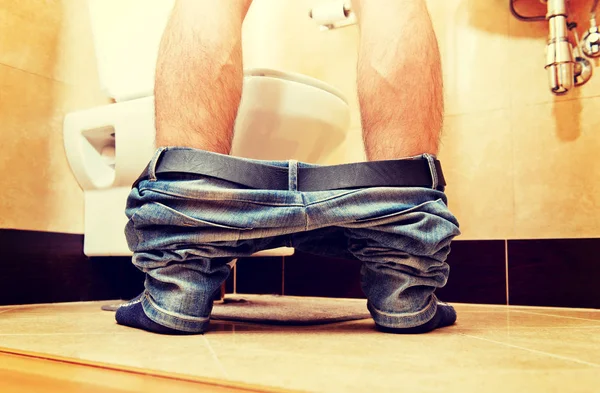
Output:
x,y
199,74
399,79
401,104
198,88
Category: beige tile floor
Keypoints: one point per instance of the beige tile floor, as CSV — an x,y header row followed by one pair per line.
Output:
x,y
491,349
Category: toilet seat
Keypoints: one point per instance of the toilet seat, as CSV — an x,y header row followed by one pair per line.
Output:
x,y
295,77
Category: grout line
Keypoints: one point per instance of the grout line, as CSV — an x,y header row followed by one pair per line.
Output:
x,y
533,350
506,271
64,334
235,278
485,307
65,304
210,383
33,73
282,275
559,316
216,358
8,309
557,308
573,98
526,328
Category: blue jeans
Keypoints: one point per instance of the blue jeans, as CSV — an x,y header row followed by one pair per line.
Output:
x,y
186,229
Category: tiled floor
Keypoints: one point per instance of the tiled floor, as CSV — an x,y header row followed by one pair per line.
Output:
x,y
491,349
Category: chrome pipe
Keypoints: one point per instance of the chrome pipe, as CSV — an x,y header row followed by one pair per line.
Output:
x,y
559,52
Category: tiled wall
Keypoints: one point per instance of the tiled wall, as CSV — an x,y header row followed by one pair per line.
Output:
x,y
546,272
47,68
543,272
520,162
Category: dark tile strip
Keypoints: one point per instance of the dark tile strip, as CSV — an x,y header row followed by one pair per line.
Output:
x,y
312,275
46,267
259,275
477,272
43,267
554,272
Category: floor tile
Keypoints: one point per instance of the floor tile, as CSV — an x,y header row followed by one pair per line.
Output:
x,y
593,315
320,359
491,349
184,354
471,319
579,344
67,318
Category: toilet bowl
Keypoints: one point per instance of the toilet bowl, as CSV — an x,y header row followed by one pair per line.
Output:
x,y
281,116
285,116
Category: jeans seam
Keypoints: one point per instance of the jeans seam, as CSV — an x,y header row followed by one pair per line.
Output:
x,y
173,315
184,197
431,308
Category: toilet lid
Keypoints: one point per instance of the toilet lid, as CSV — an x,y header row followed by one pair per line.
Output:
x,y
295,77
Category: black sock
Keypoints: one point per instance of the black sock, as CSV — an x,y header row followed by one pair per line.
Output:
x,y
444,316
132,314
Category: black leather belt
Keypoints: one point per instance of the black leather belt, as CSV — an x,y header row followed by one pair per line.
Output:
x,y
392,173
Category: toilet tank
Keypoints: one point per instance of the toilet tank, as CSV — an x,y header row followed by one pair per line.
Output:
x,y
277,34
127,35
278,119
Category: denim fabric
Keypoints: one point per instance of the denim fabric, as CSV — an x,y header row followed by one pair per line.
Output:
x,y
185,230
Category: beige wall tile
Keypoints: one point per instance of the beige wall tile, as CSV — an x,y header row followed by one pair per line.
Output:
x,y
476,156
29,34
39,191
473,40
557,192
49,38
43,43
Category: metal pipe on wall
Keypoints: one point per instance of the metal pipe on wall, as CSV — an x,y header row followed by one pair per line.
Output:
x,y
559,52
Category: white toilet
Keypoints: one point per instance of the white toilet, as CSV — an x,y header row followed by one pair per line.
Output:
x,y
281,116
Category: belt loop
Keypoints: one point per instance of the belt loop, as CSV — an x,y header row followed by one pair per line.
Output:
x,y
293,176
154,163
432,169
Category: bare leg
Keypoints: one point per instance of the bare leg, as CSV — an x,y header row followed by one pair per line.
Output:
x,y
399,79
199,74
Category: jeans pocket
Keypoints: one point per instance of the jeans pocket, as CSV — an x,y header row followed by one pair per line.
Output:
x,y
156,213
